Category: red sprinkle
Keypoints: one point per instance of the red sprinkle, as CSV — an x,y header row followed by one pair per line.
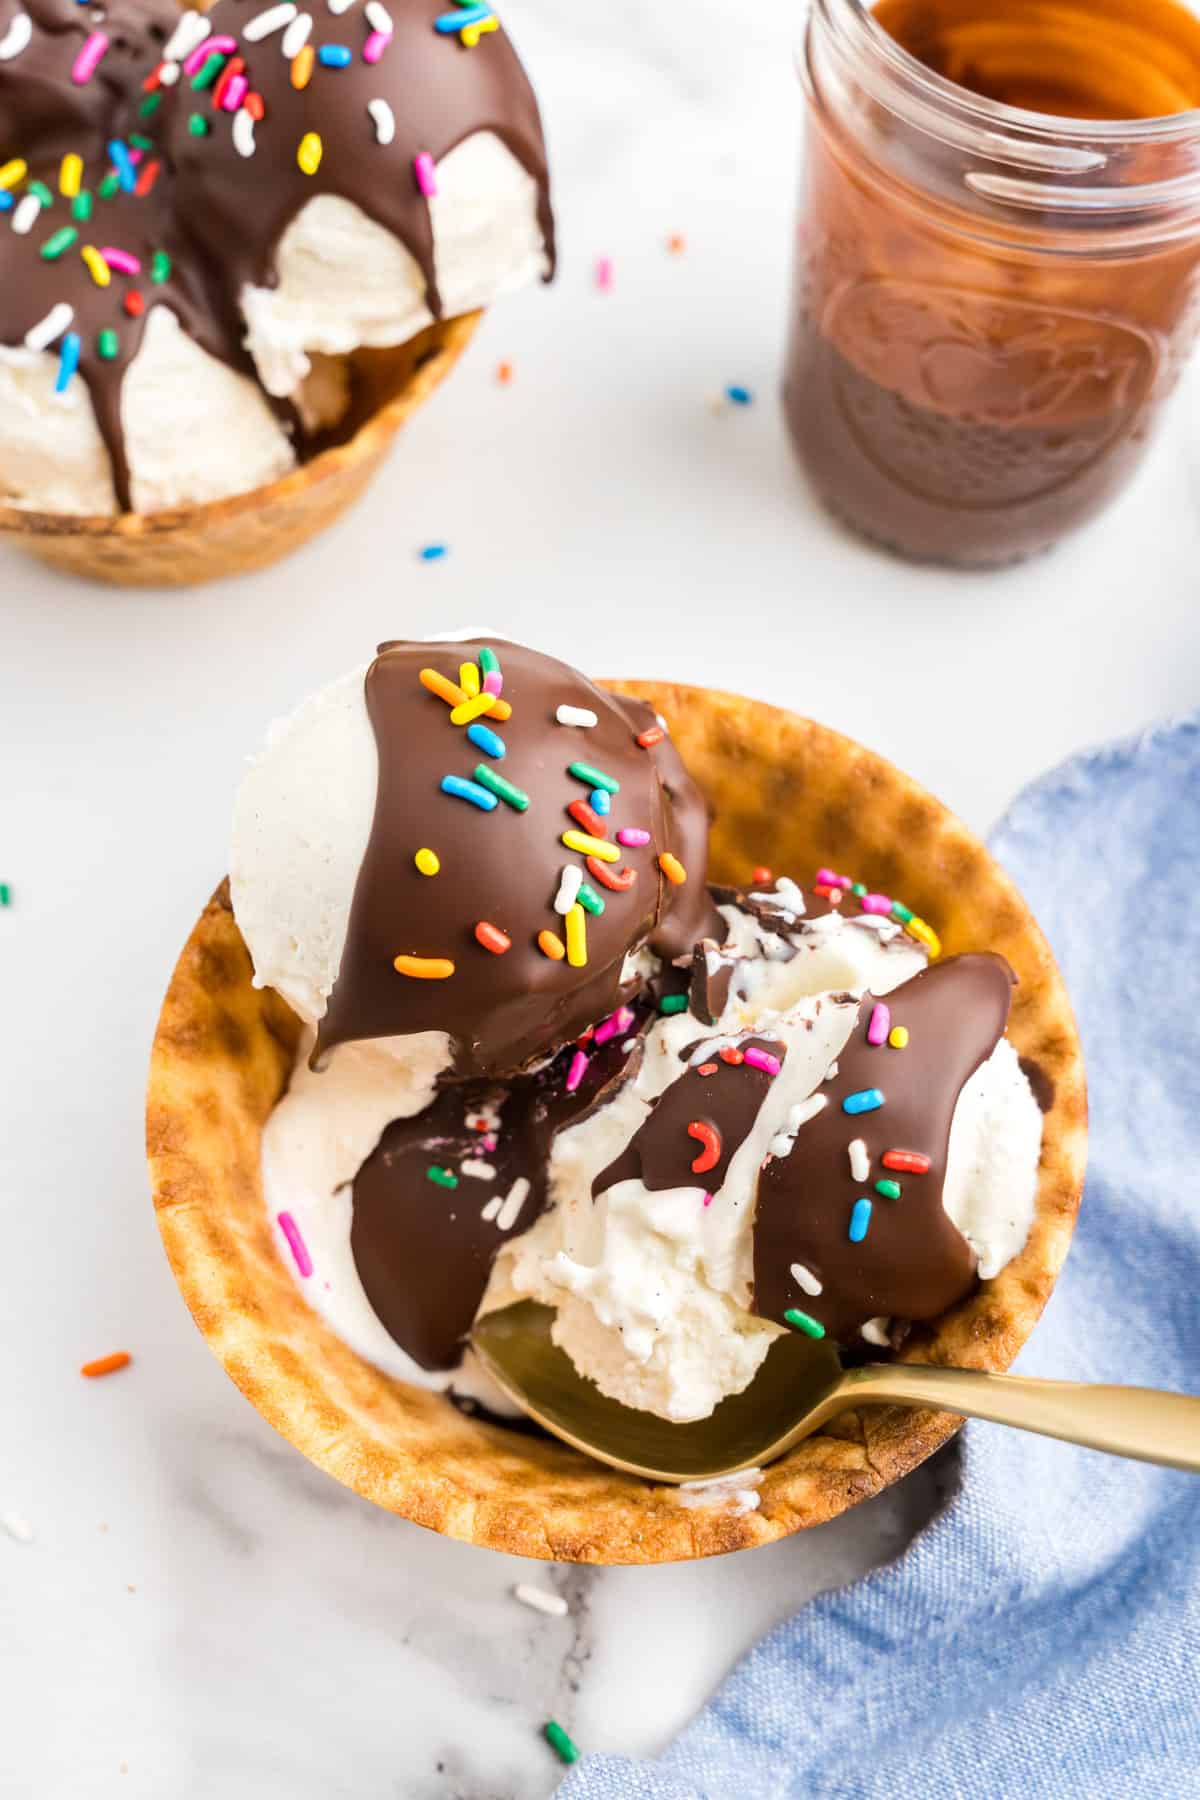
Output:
x,y
153,80
106,1365
648,739
911,1161
707,1069
710,1138
492,938
235,66
832,894
255,105
762,876
607,876
591,822
730,1055
135,304
147,177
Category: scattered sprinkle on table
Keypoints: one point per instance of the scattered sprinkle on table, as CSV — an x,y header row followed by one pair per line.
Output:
x,y
22,1530
558,1740
604,273
433,552
504,374
677,243
739,396
5,894
541,1600
106,1365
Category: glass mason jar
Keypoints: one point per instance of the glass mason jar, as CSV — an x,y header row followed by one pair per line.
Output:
x,y
992,304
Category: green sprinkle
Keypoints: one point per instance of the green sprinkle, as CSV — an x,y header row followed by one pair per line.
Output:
x,y
889,1189
61,241
595,778
42,191
5,894
802,1321
160,266
146,110
107,344
673,1003
141,143
110,185
489,662
558,1741
590,900
205,77
445,1178
504,790
900,912
198,125
858,887
81,205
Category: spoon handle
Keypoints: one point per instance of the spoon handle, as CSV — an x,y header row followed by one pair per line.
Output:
x,y
1143,1423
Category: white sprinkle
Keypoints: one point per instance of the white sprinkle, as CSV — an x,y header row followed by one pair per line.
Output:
x,y
831,1072
56,321
19,1528
379,18
26,215
806,1280
663,723
383,119
541,1600
187,36
514,1200
628,1045
274,19
168,74
569,884
338,7
492,1208
296,35
17,37
243,133
876,1332
860,1162
576,715
479,1171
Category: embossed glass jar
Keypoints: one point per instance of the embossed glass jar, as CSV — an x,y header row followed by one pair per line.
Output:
x,y
991,304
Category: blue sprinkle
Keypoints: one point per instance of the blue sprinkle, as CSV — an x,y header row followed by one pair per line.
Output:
x,y
739,396
467,15
601,802
469,790
490,742
335,56
433,552
68,361
6,201
868,1100
860,1221
126,172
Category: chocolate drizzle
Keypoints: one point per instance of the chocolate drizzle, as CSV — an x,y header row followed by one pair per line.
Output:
x,y
503,1012
914,1262
708,989
41,108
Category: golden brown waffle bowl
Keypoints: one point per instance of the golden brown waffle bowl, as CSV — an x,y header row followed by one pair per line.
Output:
x,y
251,531
788,792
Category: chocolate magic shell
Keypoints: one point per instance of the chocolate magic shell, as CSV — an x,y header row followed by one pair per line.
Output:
x,y
71,75
563,834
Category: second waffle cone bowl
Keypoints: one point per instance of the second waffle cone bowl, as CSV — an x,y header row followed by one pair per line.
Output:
x,y
193,544
787,792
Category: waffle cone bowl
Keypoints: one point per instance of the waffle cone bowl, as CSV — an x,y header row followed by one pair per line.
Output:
x,y
250,531
785,791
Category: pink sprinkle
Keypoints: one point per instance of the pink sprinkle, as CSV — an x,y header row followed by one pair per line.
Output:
x,y
845,881
604,273
633,837
616,1022
489,1142
299,1248
762,1059
89,58
375,46
235,92
708,1199
213,46
426,173
881,1024
577,1070
875,903
493,683
827,878
121,262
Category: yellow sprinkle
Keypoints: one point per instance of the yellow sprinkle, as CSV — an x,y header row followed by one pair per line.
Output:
x,y
12,172
468,679
302,68
444,689
70,175
424,968
898,1037
575,926
925,934
672,868
590,846
551,945
97,268
427,861
473,709
309,153
470,34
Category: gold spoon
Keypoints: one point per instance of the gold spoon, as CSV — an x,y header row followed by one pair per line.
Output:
x,y
800,1387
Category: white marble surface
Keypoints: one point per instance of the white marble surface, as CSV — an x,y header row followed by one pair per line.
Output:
x,y
199,1612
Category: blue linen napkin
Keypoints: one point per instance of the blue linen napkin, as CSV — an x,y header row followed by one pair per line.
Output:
x,y
1042,1638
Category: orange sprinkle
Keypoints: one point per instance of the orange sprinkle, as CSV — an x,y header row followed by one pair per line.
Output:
x,y
444,689
677,243
672,868
424,968
107,1365
762,876
731,1054
648,739
256,106
551,946
504,374
302,67
492,938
